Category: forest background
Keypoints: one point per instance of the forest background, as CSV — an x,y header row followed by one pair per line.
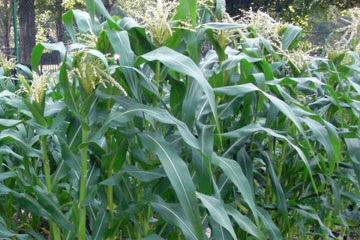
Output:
x,y
41,20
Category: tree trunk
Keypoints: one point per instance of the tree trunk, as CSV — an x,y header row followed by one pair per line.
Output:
x,y
7,29
5,24
59,23
108,4
27,30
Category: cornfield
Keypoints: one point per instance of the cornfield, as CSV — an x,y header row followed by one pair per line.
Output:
x,y
142,135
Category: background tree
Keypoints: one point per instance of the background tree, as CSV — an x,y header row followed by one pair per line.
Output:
x,y
26,14
109,4
5,23
281,7
59,10
49,16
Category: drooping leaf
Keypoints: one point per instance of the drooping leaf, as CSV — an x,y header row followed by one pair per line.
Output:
x,y
121,44
175,215
6,234
252,128
316,218
100,8
51,207
217,212
144,175
242,90
291,36
272,229
158,114
68,19
6,175
234,172
84,23
179,176
244,222
353,145
9,122
322,135
184,65
39,49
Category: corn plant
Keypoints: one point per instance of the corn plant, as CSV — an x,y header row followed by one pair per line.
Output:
x,y
207,132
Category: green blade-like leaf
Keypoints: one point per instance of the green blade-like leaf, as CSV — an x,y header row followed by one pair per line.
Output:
x,y
315,217
252,128
113,180
287,111
100,8
191,103
68,95
101,225
9,122
69,157
218,232
247,166
153,237
68,19
202,160
234,172
280,196
140,43
353,145
6,150
84,23
223,26
51,207
7,175
121,45
184,65
186,7
158,114
34,111
143,175
174,214
39,49
244,222
18,138
321,134
220,9
291,36
6,234
217,212
179,176
355,86
272,229
27,201
90,4
242,90
233,61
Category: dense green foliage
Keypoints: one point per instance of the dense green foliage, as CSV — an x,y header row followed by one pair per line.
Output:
x,y
288,9
136,137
